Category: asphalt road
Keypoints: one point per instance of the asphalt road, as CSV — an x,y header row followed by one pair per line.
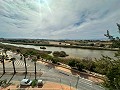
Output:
x,y
48,74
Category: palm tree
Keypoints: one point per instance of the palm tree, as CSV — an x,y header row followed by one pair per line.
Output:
x,y
2,60
34,59
13,59
25,56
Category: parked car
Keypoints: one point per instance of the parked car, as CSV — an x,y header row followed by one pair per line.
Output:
x,y
40,82
25,82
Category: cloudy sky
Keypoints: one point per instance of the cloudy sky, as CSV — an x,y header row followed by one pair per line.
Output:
x,y
58,19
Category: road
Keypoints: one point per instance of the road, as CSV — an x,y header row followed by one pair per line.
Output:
x,y
48,74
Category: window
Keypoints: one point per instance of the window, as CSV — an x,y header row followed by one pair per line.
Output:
x,y
28,81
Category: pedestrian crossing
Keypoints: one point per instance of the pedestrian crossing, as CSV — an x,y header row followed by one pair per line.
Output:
x,y
18,64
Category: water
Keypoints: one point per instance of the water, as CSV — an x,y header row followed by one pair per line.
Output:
x,y
72,52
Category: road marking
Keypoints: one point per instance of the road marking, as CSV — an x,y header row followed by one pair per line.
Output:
x,y
18,64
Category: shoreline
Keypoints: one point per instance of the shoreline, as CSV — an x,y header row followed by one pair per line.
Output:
x,y
71,55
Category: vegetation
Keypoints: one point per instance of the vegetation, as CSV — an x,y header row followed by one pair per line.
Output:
x,y
55,60
24,53
113,66
34,59
25,56
34,83
3,57
115,40
13,60
59,54
3,83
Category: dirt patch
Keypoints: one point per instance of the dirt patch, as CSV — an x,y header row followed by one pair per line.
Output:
x,y
52,85
63,69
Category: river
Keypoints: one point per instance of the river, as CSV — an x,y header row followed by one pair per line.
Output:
x,y
72,52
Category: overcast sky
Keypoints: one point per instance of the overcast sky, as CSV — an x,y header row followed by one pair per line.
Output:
x,y
58,19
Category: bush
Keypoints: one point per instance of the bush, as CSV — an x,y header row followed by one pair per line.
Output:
x,y
63,54
59,54
34,83
80,66
56,54
113,65
72,63
55,60
3,83
102,45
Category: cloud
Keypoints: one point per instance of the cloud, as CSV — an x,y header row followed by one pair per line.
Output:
x,y
58,19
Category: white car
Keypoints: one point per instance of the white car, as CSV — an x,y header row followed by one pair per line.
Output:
x,y
25,82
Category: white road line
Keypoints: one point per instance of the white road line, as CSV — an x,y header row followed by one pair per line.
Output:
x,y
18,63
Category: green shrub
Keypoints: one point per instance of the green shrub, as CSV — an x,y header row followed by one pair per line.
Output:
x,y
55,60
59,54
3,83
72,63
80,66
34,83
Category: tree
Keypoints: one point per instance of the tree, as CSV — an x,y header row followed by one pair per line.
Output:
x,y
113,72
25,56
115,40
59,54
114,78
56,53
2,60
63,54
34,59
92,44
102,45
13,60
118,27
